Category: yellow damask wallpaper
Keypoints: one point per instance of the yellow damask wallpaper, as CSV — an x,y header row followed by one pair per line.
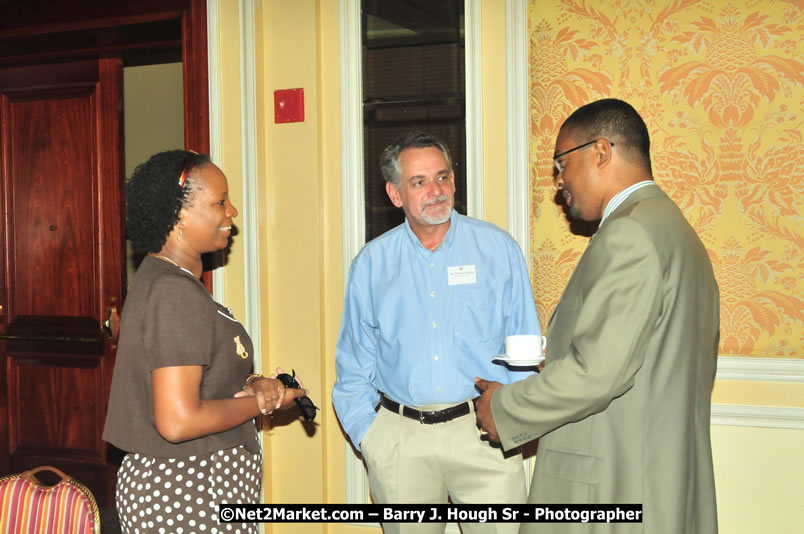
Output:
x,y
721,88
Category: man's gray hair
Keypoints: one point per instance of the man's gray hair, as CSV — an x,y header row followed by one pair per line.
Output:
x,y
389,160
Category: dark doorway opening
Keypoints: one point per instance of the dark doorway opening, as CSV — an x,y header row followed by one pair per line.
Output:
x,y
413,79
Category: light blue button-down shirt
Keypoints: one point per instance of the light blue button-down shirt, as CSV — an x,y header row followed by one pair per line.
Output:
x,y
420,325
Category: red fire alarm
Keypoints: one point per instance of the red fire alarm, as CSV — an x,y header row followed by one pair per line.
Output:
x,y
288,105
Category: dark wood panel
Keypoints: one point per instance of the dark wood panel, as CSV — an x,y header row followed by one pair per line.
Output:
x,y
31,17
89,347
65,400
128,37
95,44
141,32
196,78
52,232
31,77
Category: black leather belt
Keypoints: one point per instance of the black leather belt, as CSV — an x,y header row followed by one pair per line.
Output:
x,y
428,417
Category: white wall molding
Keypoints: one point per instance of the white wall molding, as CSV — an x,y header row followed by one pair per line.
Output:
x,y
473,42
518,157
353,211
764,369
248,126
518,133
248,107
352,180
215,136
758,416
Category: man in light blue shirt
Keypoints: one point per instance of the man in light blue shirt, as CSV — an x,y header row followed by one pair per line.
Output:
x,y
428,305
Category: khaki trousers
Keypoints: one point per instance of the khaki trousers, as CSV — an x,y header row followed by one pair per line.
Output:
x,y
412,463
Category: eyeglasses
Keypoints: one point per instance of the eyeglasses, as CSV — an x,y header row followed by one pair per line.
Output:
x,y
189,162
559,166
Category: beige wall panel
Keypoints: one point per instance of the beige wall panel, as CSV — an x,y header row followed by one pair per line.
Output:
x,y
758,477
153,108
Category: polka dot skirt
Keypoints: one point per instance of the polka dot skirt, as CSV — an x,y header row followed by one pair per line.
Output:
x,y
181,496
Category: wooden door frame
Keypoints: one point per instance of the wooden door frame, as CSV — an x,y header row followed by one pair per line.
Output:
x,y
196,86
196,78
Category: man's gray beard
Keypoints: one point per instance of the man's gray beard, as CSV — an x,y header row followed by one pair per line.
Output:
x,y
439,220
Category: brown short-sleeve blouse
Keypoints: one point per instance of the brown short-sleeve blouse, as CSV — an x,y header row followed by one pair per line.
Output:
x,y
169,319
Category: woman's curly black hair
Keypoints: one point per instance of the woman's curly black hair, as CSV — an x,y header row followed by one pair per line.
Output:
x,y
154,197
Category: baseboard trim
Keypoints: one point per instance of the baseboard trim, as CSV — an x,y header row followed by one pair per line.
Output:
x,y
763,369
757,416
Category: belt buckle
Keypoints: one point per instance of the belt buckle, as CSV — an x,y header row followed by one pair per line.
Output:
x,y
421,417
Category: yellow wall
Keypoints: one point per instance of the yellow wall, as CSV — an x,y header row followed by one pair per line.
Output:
x,y
721,87
758,479
495,164
301,292
300,218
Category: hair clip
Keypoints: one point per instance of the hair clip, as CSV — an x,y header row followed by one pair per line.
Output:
x,y
189,161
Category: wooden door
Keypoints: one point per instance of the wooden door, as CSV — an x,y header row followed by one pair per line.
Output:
x,y
61,265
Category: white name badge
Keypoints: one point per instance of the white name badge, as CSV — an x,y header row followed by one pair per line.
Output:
x,y
461,274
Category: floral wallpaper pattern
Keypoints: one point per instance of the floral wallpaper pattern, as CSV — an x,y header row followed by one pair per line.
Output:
x,y
721,86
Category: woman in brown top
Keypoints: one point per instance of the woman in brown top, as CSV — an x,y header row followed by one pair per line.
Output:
x,y
182,401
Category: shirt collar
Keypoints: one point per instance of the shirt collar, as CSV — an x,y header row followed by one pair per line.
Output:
x,y
620,197
446,243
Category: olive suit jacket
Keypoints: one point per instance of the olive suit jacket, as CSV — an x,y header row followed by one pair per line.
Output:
x,y
623,404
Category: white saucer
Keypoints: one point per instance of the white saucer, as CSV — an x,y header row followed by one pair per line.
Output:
x,y
503,358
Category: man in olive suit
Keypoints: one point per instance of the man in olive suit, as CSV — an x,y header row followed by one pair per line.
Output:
x,y
623,403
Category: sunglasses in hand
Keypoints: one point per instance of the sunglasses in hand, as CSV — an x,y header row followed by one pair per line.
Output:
x,y
308,409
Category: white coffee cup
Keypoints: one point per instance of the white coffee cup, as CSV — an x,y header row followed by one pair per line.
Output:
x,y
525,347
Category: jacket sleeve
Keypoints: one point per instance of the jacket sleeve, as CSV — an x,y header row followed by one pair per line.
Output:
x,y
621,296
